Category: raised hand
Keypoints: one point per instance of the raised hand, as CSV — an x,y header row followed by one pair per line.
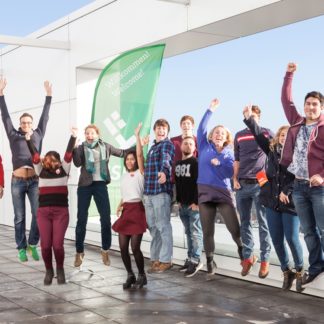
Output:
x,y
247,111
48,88
3,83
74,131
214,104
291,67
138,129
28,135
145,140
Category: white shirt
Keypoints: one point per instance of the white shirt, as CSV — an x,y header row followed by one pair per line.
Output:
x,y
132,186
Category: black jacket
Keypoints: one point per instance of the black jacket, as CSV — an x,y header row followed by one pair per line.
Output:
x,y
280,179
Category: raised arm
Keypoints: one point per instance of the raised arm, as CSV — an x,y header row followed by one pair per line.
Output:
x,y
66,163
34,153
256,130
202,128
288,105
7,122
139,147
1,178
44,116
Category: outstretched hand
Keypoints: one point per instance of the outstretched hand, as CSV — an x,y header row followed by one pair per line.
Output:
x,y
74,131
138,129
214,104
3,83
145,140
247,111
48,88
291,67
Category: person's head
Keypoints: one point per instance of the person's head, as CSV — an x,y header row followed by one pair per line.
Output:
x,y
313,106
91,133
220,136
26,122
161,129
51,161
280,136
256,113
130,161
188,146
187,124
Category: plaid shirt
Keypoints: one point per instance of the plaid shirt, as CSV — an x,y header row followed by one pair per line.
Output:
x,y
159,159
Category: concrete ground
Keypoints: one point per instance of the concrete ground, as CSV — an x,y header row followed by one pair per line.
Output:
x,y
168,297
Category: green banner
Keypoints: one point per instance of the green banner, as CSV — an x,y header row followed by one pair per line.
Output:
x,y
124,96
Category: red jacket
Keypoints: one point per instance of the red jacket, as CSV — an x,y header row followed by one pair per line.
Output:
x,y
1,174
315,152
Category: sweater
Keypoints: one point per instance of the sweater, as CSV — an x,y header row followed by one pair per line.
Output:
x,y
19,150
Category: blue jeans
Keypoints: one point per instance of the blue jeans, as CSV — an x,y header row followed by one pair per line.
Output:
x,y
98,189
281,226
158,213
244,198
309,203
191,222
19,189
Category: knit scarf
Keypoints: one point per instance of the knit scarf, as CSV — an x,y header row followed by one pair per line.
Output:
x,y
89,157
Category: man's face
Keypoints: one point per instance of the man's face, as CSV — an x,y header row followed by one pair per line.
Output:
x,y
161,133
26,124
188,146
186,126
312,109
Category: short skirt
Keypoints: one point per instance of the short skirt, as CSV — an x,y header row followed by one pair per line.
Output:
x,y
132,220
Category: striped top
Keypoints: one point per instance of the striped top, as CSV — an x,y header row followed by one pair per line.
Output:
x,y
53,190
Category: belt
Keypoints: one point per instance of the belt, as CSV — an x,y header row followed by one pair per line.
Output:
x,y
34,177
248,181
302,180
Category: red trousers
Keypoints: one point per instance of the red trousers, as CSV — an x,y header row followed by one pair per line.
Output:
x,y
52,223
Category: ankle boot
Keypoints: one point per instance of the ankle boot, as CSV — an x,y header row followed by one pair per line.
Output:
x,y
299,281
141,281
129,281
48,277
289,277
60,276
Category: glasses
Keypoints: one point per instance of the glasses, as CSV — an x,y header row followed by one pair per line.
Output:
x,y
26,123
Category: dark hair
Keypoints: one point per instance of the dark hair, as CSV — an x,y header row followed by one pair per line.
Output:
x,y
315,94
136,163
256,109
25,115
187,117
161,122
55,154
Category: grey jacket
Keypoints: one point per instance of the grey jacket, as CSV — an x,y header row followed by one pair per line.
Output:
x,y
86,178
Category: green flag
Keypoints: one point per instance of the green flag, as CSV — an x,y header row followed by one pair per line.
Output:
x,y
124,96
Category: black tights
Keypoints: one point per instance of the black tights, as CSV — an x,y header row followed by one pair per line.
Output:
x,y
136,249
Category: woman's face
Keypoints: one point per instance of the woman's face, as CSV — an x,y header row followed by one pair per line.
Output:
x,y
130,162
91,135
282,136
219,136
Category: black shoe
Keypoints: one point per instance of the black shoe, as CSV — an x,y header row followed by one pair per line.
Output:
x,y
129,281
48,277
60,275
211,267
185,266
141,281
299,281
308,278
289,277
193,269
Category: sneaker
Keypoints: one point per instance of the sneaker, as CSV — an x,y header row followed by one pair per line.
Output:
x,y
22,255
193,268
78,259
49,275
299,281
211,267
32,250
105,257
140,281
289,277
154,266
264,269
247,265
60,275
164,266
185,266
131,279
308,278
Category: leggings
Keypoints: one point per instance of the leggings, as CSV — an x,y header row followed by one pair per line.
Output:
x,y
136,249
207,217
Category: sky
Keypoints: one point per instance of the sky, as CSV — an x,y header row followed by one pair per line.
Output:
x,y
240,72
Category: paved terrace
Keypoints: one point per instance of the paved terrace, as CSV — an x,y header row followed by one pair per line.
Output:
x,y
168,298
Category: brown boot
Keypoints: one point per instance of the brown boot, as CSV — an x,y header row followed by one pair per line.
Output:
x,y
154,266
105,257
60,274
78,259
264,269
48,277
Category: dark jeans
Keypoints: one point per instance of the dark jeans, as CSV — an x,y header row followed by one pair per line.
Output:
x,y
97,190
244,198
21,188
285,226
309,203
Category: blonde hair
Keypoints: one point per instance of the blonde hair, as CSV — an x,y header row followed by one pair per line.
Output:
x,y
94,127
229,137
275,140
